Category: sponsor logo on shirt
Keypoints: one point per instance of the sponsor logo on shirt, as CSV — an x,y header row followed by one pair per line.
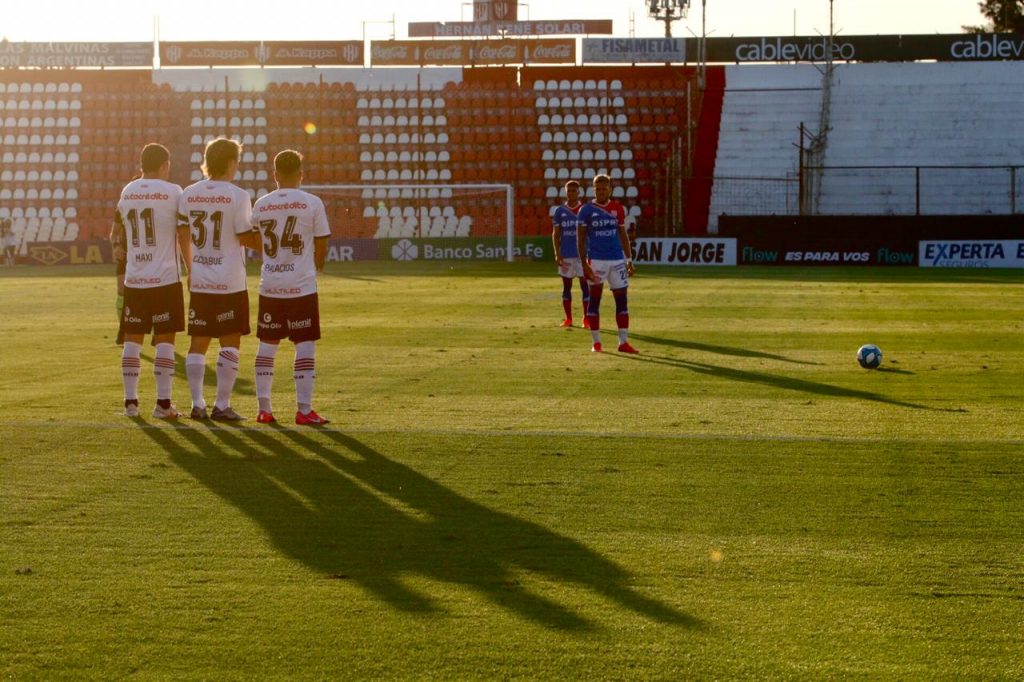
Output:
x,y
295,205
209,200
153,196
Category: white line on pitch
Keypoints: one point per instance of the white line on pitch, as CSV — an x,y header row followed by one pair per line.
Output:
x,y
495,433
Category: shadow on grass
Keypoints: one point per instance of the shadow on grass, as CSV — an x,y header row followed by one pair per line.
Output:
x,y
720,350
893,370
777,381
349,512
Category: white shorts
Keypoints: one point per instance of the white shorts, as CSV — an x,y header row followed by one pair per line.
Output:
x,y
611,271
571,267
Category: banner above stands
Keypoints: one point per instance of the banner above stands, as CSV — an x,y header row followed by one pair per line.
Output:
x,y
479,29
283,53
71,55
472,52
634,50
516,48
892,48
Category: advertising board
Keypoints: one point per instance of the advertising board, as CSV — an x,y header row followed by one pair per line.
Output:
x,y
996,253
685,252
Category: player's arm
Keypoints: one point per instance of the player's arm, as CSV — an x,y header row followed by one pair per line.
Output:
x,y
321,236
248,234
627,248
184,235
117,238
556,241
581,248
251,239
320,252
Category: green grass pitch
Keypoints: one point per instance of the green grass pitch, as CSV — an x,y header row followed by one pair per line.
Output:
x,y
493,500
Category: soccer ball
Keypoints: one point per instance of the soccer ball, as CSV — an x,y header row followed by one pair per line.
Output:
x,y
869,356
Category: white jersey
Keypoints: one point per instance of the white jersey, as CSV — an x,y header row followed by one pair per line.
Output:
x,y
216,212
289,220
148,212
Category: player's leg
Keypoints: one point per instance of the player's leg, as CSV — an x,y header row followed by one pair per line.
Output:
x,y
131,367
618,280
199,320
227,373
600,271
265,379
169,319
567,301
195,372
305,315
163,375
270,329
594,315
136,322
585,292
305,374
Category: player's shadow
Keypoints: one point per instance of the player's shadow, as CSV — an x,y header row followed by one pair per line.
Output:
x,y
893,370
349,512
718,350
243,386
775,381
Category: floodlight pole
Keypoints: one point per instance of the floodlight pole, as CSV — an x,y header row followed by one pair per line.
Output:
x,y
668,11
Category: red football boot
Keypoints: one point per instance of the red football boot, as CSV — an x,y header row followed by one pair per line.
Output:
x,y
310,419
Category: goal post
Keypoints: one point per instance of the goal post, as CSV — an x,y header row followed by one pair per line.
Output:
x,y
426,213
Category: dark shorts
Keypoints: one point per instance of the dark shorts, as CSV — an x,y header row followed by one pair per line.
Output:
x,y
297,319
217,315
157,310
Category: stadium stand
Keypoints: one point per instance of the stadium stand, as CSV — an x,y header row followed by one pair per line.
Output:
x,y
70,139
763,108
929,116
885,125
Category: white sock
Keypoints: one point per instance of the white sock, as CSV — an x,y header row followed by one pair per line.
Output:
x,y
305,373
623,335
265,374
195,370
596,335
227,372
163,370
130,368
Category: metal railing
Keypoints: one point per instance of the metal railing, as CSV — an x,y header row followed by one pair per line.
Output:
x,y
876,190
918,190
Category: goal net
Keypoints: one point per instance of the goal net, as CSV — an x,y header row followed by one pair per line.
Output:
x,y
423,222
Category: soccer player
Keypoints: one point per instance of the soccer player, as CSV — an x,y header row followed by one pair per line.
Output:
x,y
610,259
563,237
219,217
8,240
153,298
295,233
